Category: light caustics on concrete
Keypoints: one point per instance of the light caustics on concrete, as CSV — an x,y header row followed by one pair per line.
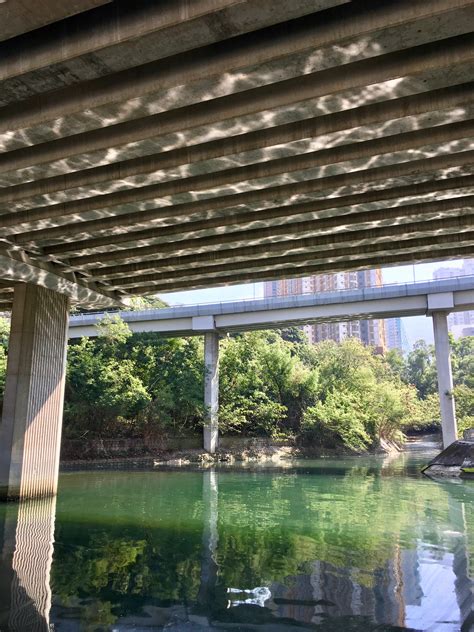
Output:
x,y
226,141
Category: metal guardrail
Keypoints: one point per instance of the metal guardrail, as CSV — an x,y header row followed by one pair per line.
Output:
x,y
345,289
455,279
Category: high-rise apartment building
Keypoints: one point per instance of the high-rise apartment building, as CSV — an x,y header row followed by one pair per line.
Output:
x,y
459,323
370,332
395,335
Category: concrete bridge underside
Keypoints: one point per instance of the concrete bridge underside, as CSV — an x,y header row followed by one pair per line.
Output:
x,y
151,147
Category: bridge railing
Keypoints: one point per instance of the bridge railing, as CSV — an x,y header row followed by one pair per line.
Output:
x,y
417,282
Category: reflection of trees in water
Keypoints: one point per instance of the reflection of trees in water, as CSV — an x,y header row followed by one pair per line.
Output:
x,y
352,539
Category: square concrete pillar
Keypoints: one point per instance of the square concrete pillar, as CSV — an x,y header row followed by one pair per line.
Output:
x,y
445,377
30,432
211,391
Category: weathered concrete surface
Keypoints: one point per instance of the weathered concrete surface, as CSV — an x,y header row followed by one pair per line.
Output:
x,y
18,268
443,367
30,432
211,391
179,145
27,15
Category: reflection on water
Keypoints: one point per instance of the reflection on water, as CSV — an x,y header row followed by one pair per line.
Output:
x,y
26,532
352,544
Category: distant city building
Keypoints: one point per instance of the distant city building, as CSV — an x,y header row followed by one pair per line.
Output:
x,y
461,331
370,332
395,335
460,323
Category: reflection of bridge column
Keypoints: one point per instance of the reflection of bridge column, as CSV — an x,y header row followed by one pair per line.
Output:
x,y
30,432
445,377
25,565
210,537
461,562
211,391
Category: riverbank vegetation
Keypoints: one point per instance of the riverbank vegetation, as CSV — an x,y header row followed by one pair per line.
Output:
x,y
272,383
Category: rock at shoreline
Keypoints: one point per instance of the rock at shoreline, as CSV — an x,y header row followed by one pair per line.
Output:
x,y
269,453
457,460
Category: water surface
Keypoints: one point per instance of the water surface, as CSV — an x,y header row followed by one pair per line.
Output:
x,y
350,544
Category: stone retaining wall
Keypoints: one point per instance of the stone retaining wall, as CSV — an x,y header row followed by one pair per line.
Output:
x,y
113,448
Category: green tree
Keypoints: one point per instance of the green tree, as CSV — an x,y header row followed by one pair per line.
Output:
x,y
101,384
421,369
463,361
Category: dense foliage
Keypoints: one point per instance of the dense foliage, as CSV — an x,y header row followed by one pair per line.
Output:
x,y
419,369
272,383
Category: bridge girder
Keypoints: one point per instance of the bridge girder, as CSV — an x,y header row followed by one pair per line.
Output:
x,y
319,136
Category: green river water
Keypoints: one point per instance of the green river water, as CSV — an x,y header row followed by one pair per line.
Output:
x,y
347,544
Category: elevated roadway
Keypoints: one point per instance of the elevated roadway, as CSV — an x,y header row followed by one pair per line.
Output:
x,y
411,299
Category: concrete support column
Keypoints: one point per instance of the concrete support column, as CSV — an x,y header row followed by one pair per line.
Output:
x,y
445,377
211,391
30,433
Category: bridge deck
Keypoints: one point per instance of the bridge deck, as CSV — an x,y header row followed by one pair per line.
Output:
x,y
411,299
150,147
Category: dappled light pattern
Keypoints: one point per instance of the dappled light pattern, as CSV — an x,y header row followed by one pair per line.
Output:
x,y
337,132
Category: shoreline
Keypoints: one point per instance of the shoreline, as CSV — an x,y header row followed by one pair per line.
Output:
x,y
275,454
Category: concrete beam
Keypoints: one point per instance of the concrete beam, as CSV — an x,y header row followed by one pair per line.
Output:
x,y
185,222
350,152
79,36
172,121
438,167
232,54
110,26
30,432
407,299
421,169
415,220
262,223
18,267
307,247
295,271
17,18
181,266
303,260
445,377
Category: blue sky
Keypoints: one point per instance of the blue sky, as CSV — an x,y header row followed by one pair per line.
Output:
x,y
416,327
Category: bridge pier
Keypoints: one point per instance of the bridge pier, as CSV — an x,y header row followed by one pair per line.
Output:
x,y
211,391
445,377
30,433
